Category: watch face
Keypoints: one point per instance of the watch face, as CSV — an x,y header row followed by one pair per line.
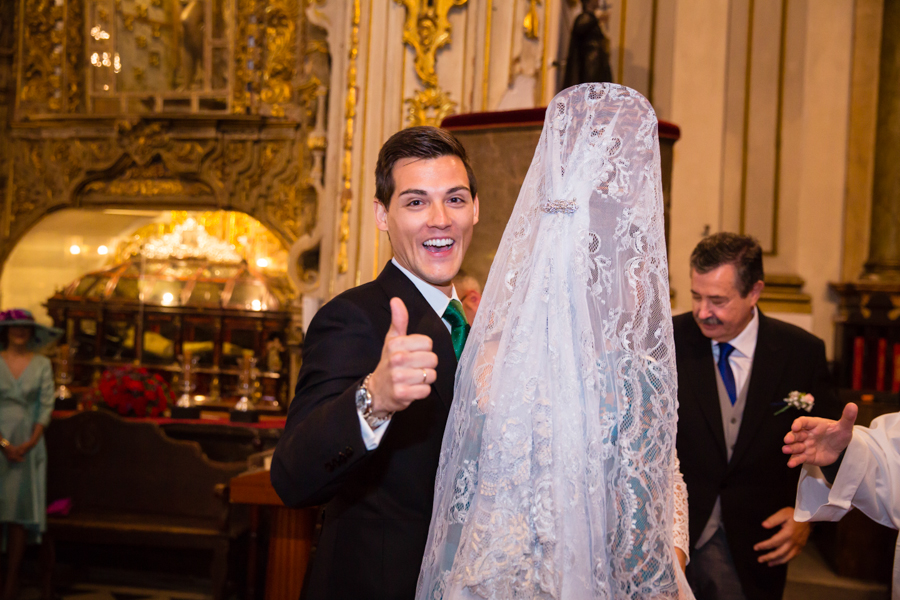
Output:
x,y
361,399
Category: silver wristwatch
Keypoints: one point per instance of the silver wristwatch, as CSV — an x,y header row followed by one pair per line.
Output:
x,y
364,405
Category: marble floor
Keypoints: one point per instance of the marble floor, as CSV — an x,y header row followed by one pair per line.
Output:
x,y
809,578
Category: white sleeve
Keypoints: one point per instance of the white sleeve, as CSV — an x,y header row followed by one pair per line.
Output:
x,y
682,533
868,479
371,437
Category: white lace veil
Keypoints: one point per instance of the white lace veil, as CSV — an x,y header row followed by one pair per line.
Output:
x,y
555,476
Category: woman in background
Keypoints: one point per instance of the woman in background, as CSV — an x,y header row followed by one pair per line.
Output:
x,y
26,402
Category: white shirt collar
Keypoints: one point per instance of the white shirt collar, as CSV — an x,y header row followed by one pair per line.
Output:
x,y
744,343
437,299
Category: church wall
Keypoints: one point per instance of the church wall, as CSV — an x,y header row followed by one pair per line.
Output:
x,y
698,107
861,135
819,233
761,92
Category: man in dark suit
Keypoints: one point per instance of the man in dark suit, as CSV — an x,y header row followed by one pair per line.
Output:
x,y
735,367
363,434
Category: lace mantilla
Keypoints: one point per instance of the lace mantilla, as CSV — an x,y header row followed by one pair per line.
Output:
x,y
557,472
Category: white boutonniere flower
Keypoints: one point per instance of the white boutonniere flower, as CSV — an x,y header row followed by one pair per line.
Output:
x,y
800,400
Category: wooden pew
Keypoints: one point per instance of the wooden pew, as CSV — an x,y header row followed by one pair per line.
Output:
x,y
132,485
291,533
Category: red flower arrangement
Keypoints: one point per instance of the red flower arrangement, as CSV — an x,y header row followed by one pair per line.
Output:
x,y
134,391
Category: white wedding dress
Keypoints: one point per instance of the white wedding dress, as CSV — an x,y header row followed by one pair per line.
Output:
x,y
558,469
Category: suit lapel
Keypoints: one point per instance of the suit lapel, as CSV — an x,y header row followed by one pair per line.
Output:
x,y
764,377
699,363
423,320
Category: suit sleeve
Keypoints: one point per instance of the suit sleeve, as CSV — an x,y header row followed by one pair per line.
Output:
x,y
322,444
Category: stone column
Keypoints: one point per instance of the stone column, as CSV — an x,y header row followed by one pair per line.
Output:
x,y
884,244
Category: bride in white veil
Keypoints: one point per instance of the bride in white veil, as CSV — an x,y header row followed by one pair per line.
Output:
x,y
558,468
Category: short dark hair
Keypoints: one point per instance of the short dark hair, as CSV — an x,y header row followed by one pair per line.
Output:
x,y
416,142
725,248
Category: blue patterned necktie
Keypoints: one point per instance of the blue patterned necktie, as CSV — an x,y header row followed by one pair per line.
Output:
x,y
725,371
459,328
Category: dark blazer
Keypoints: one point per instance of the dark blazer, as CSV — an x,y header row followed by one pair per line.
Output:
x,y
756,482
377,503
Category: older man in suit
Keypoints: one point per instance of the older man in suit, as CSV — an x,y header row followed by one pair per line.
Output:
x,y
735,368
363,434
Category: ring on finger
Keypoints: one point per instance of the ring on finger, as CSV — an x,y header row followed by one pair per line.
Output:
x,y
424,376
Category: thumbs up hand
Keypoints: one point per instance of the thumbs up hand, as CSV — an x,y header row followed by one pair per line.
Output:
x,y
406,369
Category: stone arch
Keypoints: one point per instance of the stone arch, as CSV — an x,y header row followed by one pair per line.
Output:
x,y
247,165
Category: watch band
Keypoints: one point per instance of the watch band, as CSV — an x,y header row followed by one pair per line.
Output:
x,y
364,405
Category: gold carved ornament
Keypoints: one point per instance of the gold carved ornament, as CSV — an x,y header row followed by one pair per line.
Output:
x,y
429,107
40,88
531,23
75,64
278,71
244,79
426,30
346,198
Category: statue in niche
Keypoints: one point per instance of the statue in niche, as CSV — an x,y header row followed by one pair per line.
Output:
x,y
588,59
190,62
274,348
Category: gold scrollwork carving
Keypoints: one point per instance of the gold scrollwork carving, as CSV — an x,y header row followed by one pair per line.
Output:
x,y
265,177
317,143
346,198
531,24
429,107
75,63
143,141
278,72
152,180
148,188
244,53
426,30
37,93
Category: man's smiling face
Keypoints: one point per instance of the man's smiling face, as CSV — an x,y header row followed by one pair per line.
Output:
x,y
430,219
719,309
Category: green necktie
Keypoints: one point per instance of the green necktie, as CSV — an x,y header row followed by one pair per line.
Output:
x,y
459,328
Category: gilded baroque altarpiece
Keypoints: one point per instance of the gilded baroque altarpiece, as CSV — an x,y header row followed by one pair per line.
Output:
x,y
189,104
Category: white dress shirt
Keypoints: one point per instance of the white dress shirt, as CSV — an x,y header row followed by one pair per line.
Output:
x,y
438,301
741,359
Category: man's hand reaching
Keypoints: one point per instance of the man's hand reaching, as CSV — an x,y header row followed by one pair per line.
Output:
x,y
817,441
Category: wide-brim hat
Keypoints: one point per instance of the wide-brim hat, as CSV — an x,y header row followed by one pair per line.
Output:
x,y
41,336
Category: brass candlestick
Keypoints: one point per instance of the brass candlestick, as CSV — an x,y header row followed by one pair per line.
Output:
x,y
63,397
185,408
245,409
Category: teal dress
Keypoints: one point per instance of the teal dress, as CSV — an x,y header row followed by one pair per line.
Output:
x,y
24,402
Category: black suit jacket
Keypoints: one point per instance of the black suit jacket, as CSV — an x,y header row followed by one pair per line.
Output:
x,y
377,503
756,482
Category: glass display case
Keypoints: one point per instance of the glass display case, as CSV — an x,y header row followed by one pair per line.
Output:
x,y
150,311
